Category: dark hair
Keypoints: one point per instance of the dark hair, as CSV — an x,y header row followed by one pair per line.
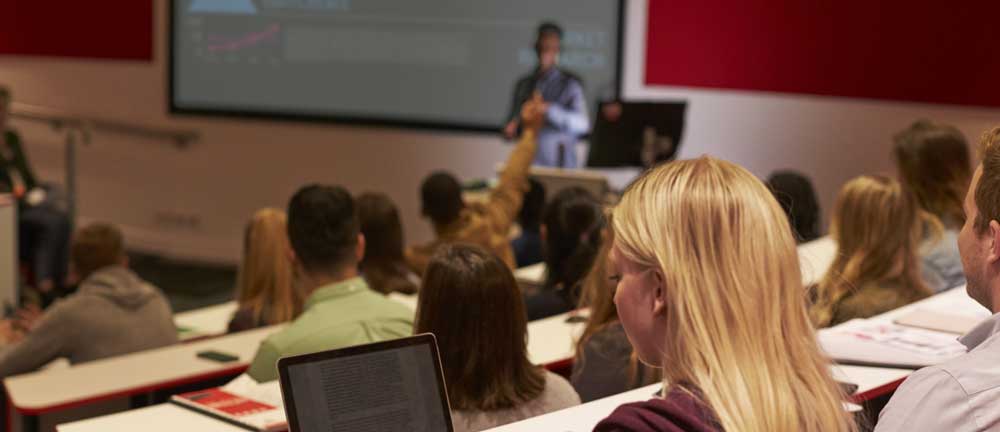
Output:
x,y
383,265
548,28
472,304
530,216
573,221
935,166
323,227
797,197
5,95
95,247
441,197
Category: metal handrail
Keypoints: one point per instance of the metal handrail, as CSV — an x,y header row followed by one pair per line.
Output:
x,y
59,119
81,126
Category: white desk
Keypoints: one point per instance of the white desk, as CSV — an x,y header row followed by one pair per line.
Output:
x,y
584,417
207,321
839,343
551,341
143,372
158,418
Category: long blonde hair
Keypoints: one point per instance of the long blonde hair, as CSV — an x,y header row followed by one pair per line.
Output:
x,y
877,226
738,329
265,281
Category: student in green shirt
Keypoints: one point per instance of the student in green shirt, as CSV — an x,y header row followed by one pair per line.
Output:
x,y
341,310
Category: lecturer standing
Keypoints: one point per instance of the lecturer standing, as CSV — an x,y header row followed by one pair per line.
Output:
x,y
565,107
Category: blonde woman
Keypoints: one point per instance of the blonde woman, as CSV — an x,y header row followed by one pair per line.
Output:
x,y
605,362
878,230
709,289
265,289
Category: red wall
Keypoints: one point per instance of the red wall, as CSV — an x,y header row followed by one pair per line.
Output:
x,y
111,29
912,50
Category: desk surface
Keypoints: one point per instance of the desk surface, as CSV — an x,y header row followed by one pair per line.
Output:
x,y
206,321
584,417
158,418
45,391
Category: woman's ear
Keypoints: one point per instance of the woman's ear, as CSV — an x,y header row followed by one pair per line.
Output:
x,y
659,292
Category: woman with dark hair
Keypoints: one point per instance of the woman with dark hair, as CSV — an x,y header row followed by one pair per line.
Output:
x,y
571,232
472,305
383,265
797,197
934,165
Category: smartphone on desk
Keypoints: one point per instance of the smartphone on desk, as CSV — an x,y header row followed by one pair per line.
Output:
x,y
217,356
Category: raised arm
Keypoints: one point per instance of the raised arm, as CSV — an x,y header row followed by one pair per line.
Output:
x,y
505,201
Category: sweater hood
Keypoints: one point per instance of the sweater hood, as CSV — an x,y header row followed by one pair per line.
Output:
x,y
119,285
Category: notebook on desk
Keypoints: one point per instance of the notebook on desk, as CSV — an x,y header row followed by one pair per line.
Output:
x,y
395,385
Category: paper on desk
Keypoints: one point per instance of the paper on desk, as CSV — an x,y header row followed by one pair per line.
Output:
x,y
888,344
244,385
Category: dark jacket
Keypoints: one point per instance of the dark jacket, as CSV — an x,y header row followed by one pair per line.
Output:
x,y
604,367
13,159
680,411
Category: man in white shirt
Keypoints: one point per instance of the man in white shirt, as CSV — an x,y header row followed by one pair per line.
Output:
x,y
964,394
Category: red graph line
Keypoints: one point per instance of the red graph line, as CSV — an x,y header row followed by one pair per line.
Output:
x,y
248,40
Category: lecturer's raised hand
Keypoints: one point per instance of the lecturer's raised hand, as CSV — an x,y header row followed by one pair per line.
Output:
x,y
533,113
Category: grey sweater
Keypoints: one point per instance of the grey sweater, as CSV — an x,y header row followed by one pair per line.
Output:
x,y
113,312
558,394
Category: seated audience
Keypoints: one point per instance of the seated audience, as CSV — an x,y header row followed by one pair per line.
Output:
x,y
571,232
961,394
605,362
528,246
113,312
934,164
266,290
43,229
877,227
383,266
484,224
798,199
473,306
340,309
709,290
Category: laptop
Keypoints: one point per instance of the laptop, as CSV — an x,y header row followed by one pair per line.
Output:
x,y
394,385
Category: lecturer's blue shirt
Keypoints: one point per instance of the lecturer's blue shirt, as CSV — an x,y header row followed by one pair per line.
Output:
x,y
566,119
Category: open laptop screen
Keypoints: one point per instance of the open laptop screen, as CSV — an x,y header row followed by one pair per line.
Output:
x,y
387,386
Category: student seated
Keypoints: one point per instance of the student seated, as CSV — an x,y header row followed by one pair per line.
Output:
x,y
709,290
265,289
473,306
933,163
113,312
798,199
877,227
961,394
605,362
383,266
484,224
528,246
340,309
571,232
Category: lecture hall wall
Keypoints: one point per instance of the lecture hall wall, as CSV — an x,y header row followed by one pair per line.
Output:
x,y
241,165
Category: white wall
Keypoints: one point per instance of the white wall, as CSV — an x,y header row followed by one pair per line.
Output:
x,y
240,165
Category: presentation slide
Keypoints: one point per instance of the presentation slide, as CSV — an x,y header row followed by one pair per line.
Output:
x,y
433,62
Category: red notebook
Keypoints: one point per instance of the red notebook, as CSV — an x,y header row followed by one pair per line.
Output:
x,y
234,408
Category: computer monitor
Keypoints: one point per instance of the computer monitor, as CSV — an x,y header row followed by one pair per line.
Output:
x,y
396,385
623,131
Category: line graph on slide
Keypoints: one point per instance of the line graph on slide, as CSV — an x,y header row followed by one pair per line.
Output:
x,y
225,43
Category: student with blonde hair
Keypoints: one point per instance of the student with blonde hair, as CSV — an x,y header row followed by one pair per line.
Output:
x,y
709,289
265,289
605,363
878,229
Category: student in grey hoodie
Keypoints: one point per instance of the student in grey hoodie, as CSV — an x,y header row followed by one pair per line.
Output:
x,y
113,312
